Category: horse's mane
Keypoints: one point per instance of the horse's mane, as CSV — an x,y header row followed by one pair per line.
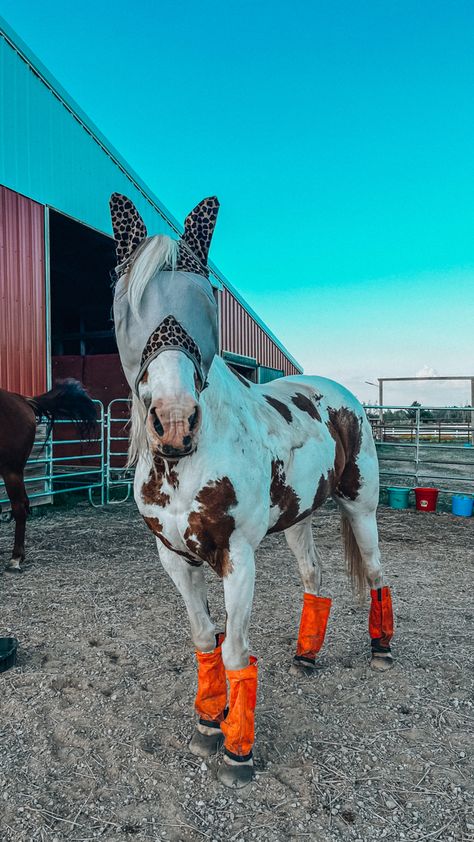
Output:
x,y
155,254
138,442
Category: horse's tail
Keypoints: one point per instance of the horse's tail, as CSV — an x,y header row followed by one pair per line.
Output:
x,y
69,401
353,558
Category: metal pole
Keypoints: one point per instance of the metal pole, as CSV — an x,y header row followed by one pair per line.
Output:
x,y
417,442
380,408
472,405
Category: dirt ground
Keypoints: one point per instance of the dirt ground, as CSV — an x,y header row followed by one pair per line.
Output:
x,y
96,719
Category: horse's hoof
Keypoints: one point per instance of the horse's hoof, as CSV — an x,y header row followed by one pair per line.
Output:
x,y
235,775
203,745
299,667
381,663
13,568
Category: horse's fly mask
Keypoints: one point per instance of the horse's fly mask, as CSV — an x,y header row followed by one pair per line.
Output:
x,y
178,310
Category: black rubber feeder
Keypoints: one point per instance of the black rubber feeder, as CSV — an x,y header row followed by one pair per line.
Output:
x,y
8,649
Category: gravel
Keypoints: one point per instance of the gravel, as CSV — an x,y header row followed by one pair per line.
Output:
x,y
96,718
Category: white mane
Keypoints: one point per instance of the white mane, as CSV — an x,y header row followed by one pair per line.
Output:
x,y
138,442
157,252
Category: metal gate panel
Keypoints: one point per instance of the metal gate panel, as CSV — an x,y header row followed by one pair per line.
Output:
x,y
116,472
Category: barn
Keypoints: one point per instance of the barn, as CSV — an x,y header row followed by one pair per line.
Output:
x,y
57,172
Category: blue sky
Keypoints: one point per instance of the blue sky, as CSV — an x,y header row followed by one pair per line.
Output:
x,y
339,139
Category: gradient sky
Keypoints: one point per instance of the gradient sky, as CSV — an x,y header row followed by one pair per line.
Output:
x,y
339,139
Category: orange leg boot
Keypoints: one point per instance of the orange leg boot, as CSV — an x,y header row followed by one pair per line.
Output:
x,y
239,726
314,620
381,628
211,700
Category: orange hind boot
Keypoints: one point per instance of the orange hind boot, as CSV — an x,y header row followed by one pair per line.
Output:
x,y
313,624
381,626
381,617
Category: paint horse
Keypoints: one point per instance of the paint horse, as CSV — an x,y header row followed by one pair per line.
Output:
x,y
221,462
18,419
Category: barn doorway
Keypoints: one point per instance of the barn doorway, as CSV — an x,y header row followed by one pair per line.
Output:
x,y
245,366
82,336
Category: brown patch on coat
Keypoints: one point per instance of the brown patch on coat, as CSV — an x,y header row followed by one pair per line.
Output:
x,y
144,377
306,405
325,489
171,475
152,493
285,497
280,407
156,527
346,430
210,527
154,524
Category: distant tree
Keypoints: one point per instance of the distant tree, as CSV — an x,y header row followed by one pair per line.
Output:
x,y
411,413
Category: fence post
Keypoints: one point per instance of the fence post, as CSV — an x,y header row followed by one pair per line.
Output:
x,y
417,442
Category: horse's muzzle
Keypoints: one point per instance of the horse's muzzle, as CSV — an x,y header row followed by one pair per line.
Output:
x,y
173,428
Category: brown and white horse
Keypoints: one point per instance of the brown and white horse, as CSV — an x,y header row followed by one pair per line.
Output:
x,y
221,462
18,419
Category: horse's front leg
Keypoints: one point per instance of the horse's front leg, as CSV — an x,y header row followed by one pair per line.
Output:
x,y
240,669
211,697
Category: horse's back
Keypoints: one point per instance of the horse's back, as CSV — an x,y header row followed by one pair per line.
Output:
x,y
17,429
329,392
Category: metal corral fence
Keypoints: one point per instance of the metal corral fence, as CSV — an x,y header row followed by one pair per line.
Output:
x,y
425,446
414,447
116,473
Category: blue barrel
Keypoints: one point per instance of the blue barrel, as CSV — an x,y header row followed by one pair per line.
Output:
x,y
398,498
462,505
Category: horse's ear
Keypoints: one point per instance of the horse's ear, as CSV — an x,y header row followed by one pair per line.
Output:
x,y
128,226
199,227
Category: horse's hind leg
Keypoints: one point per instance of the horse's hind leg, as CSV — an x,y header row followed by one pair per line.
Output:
x,y
15,488
362,552
315,612
211,697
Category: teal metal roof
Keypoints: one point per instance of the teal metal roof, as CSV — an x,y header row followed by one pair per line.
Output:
x,y
51,147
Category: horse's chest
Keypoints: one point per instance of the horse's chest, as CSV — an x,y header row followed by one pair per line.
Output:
x,y
196,524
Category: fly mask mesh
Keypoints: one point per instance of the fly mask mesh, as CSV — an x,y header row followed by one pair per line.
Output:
x,y
178,311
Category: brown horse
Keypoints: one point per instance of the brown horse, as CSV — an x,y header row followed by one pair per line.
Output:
x,y
18,418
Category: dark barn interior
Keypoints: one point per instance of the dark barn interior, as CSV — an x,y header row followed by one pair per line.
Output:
x,y
82,335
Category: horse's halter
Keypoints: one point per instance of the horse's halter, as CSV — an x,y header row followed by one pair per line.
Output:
x,y
170,335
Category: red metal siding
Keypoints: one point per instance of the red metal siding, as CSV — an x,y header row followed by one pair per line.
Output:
x,y
22,295
240,334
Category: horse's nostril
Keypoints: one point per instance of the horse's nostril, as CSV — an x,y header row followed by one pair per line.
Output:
x,y
193,419
187,441
157,423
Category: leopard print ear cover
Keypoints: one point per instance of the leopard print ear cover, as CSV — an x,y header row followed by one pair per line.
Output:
x,y
130,230
128,227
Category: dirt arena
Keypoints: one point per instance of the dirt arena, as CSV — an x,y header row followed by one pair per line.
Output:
x,y
96,719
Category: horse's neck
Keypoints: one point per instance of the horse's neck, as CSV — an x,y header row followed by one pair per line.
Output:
x,y
226,401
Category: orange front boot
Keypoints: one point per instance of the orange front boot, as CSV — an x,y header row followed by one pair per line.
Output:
x,y
211,696
381,619
314,620
239,725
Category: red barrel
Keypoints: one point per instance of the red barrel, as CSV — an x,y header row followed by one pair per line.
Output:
x,y
426,499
